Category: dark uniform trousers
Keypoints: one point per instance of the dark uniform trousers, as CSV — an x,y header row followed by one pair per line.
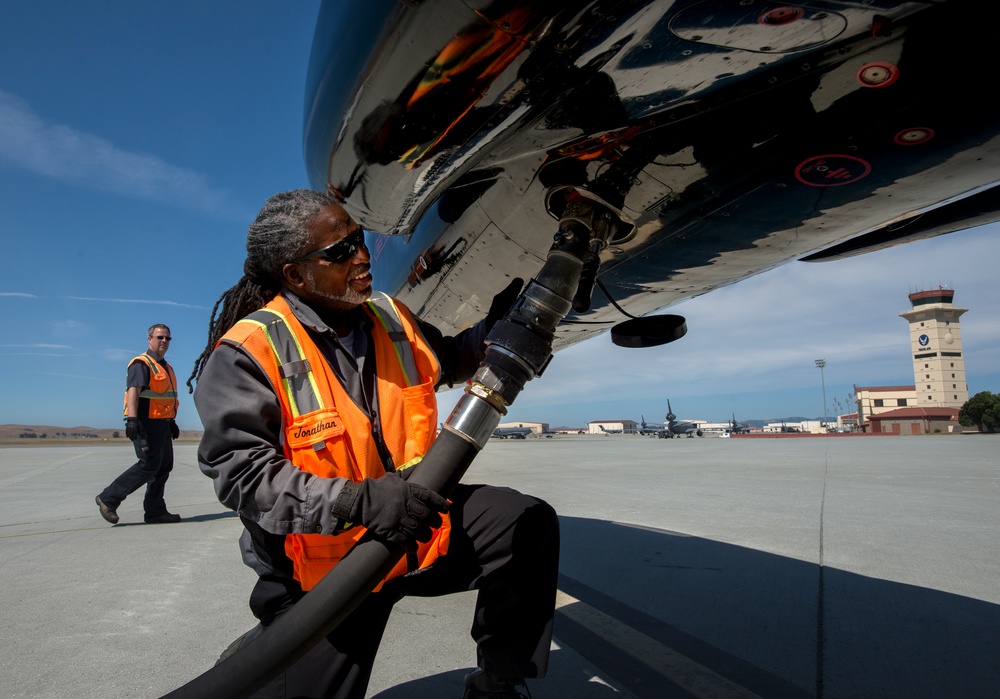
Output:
x,y
152,470
503,544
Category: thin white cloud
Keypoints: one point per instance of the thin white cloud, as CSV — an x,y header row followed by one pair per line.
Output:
x,y
18,294
39,345
59,327
77,376
40,354
68,155
156,303
117,355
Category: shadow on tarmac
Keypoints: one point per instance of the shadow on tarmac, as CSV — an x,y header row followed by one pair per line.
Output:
x,y
448,684
777,626
211,517
197,518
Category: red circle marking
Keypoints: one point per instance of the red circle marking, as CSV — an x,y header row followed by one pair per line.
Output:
x,y
781,15
831,170
878,74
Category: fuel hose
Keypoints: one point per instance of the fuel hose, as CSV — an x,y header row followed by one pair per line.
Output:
x,y
518,348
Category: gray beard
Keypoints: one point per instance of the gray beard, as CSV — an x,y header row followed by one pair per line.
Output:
x,y
345,301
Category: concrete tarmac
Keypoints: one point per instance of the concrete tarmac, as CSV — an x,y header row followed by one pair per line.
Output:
x,y
830,567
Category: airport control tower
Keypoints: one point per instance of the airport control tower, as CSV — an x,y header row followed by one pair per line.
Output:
x,y
936,343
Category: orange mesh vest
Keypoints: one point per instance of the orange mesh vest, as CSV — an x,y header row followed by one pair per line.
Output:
x,y
162,390
326,434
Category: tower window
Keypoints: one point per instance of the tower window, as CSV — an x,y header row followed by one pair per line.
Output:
x,y
901,402
878,402
927,376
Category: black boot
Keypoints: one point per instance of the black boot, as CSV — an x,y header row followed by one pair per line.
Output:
x,y
485,685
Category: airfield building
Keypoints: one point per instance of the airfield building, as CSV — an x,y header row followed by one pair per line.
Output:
x,y
535,427
939,387
875,400
936,344
612,427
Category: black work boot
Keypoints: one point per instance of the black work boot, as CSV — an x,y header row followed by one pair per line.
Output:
x,y
165,518
485,685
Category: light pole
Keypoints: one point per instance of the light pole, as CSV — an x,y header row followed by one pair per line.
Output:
x,y
822,363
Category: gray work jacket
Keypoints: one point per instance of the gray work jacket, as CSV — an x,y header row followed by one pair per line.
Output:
x,y
241,449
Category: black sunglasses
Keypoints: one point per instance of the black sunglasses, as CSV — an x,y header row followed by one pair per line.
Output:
x,y
163,337
340,251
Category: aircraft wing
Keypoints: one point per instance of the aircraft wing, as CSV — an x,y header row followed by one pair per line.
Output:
x,y
735,136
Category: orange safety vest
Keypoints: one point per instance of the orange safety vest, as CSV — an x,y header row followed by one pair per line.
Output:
x,y
325,433
161,392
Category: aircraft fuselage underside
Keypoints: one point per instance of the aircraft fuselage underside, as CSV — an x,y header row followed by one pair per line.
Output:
x,y
736,136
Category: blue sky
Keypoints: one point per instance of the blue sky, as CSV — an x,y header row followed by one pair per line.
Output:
x,y
138,140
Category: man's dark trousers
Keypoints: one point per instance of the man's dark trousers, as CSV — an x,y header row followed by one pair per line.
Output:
x,y
152,470
503,544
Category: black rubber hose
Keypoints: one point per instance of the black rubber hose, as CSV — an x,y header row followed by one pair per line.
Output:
x,y
446,462
581,301
338,594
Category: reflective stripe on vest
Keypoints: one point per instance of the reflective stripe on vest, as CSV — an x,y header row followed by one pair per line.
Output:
x,y
385,311
297,377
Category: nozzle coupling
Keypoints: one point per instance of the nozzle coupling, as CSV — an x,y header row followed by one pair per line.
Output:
x,y
519,346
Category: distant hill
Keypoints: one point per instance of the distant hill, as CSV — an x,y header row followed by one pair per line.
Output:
x,y
39,433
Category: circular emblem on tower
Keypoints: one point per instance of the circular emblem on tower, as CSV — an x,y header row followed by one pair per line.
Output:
x,y
923,340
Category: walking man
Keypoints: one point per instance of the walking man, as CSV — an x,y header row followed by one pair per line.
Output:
x,y
150,409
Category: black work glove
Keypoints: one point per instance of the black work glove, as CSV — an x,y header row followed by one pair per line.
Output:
x,y
134,429
503,301
175,431
392,509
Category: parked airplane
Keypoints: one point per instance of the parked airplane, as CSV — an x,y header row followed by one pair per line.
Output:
x,y
660,431
612,431
738,427
670,428
512,432
687,429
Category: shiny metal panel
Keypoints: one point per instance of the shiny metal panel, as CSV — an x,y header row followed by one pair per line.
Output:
x,y
737,135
